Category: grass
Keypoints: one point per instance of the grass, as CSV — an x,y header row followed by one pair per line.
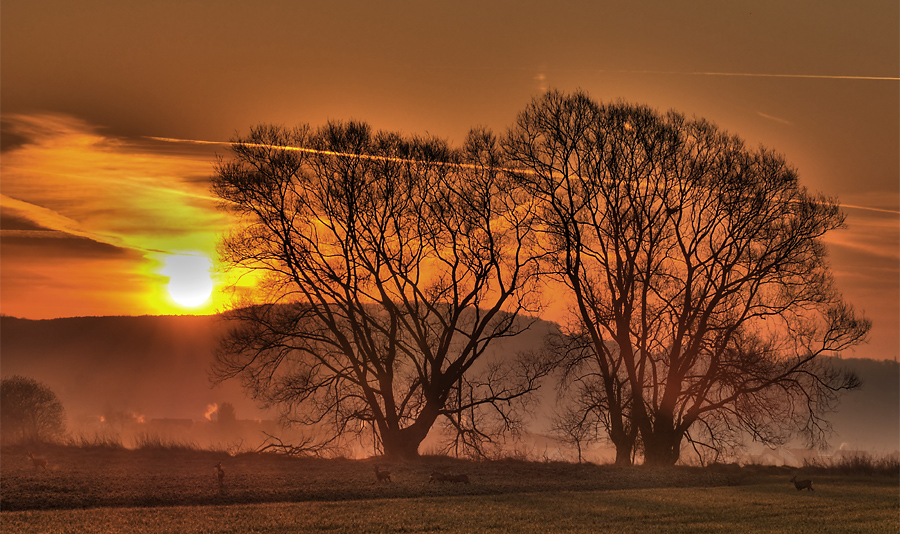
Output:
x,y
167,476
166,488
839,505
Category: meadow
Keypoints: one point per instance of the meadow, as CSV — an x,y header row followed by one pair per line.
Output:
x,y
171,489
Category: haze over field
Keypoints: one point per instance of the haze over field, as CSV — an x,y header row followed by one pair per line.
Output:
x,y
150,368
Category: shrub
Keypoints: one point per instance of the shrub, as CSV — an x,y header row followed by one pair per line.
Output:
x,y
856,463
30,412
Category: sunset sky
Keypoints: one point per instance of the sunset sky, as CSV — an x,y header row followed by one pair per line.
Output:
x,y
113,114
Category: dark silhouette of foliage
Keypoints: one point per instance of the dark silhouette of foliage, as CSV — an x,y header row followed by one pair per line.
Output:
x,y
30,412
697,273
226,415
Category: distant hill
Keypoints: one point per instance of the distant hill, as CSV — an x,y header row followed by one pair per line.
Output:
x,y
157,367
869,418
151,366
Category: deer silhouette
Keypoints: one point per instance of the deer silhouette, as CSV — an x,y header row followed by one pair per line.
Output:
x,y
458,479
221,473
382,476
802,484
37,461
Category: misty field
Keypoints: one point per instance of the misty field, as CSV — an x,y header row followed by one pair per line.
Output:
x,y
110,490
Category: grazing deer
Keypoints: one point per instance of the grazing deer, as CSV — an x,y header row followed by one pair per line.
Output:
x,y
38,462
382,476
458,479
802,484
437,476
221,473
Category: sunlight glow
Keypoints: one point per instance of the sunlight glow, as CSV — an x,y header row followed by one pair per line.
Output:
x,y
190,283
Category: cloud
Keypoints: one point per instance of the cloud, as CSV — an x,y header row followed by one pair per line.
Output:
x,y
12,221
69,177
871,234
43,245
9,138
30,220
89,218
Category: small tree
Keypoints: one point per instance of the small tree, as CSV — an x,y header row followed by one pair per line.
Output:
x,y
226,416
30,411
577,426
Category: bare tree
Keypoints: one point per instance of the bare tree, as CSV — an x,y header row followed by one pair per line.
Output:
x,y
697,271
391,264
592,398
30,412
577,424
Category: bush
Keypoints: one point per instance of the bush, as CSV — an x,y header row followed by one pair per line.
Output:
x,y
857,463
30,412
98,441
146,441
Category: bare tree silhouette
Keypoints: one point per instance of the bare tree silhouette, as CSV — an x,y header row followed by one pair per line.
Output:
x,y
391,265
696,270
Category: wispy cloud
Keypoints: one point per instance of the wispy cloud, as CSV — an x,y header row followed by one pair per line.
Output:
x,y
871,234
69,177
66,185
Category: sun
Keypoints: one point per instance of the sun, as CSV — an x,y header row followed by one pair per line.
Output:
x,y
190,283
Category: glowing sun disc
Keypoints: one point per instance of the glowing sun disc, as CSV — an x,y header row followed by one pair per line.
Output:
x,y
190,284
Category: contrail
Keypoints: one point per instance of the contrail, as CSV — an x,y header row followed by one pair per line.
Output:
x,y
882,210
759,75
366,156
814,76
289,148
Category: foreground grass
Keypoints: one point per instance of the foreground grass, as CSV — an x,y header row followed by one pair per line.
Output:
x,y
839,504
78,478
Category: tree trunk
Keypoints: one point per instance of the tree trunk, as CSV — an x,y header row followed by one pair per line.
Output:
x,y
403,443
624,443
662,447
623,455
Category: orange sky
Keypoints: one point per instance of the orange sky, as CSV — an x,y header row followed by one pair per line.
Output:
x,y
91,205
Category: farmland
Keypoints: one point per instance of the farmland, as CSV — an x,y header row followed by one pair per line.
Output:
x,y
109,489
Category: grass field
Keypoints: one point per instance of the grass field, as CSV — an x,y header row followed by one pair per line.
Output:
x,y
101,490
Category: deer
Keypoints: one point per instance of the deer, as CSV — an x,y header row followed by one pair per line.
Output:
x,y
221,474
382,476
37,461
802,484
437,476
458,479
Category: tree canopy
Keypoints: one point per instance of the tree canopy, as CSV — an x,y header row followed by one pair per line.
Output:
x,y
697,273
392,265
30,412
